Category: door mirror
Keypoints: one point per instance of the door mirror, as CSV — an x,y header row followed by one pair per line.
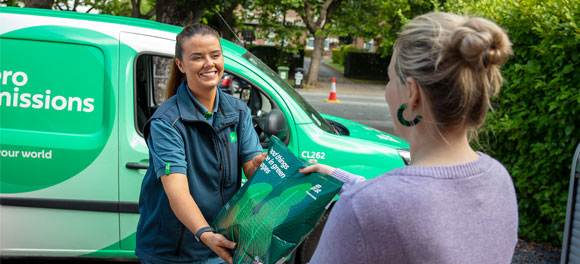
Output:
x,y
275,124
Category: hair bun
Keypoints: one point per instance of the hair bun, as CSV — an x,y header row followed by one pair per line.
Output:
x,y
481,43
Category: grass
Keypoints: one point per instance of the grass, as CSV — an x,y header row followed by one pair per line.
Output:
x,y
340,68
336,66
361,81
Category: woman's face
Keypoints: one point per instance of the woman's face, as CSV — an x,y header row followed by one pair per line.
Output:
x,y
202,61
393,93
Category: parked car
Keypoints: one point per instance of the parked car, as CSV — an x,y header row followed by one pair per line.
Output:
x,y
231,84
75,91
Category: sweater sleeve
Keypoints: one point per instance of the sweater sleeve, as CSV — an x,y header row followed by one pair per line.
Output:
x,y
342,240
347,178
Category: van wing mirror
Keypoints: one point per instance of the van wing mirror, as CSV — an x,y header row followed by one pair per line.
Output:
x,y
275,124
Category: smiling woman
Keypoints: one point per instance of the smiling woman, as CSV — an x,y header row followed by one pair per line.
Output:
x,y
203,65
198,139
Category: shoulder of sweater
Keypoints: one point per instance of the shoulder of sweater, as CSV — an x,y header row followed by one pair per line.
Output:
x,y
369,186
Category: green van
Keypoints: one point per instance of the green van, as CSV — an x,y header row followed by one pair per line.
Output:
x,y
75,90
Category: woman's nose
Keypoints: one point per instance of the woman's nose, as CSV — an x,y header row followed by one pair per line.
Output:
x,y
208,62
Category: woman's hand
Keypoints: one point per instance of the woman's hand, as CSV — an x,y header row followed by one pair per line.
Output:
x,y
219,244
320,168
258,159
251,166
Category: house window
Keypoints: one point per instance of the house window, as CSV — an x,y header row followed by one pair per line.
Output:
x,y
310,44
369,45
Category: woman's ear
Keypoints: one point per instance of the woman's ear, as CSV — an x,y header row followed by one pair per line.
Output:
x,y
179,65
414,94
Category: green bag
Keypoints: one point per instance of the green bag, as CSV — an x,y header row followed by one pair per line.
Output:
x,y
276,209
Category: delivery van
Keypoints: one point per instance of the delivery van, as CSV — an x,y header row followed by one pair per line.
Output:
x,y
75,91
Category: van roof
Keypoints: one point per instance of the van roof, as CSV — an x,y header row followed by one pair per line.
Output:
x,y
129,21
92,17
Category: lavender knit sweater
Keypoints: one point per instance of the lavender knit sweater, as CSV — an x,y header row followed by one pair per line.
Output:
x,y
452,214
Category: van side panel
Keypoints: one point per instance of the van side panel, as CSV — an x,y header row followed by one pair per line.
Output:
x,y
58,141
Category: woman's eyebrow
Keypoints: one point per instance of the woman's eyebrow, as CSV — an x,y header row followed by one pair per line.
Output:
x,y
199,53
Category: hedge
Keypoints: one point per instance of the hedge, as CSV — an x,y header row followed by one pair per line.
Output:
x,y
270,55
535,126
364,65
338,54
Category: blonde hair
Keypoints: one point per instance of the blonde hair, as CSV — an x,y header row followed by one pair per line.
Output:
x,y
176,77
455,61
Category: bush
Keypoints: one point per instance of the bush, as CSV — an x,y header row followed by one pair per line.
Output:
x,y
337,56
308,53
364,65
535,126
270,55
348,48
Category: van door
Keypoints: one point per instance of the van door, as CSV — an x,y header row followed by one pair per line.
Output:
x,y
147,61
58,141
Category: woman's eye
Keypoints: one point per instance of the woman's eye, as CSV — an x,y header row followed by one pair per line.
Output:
x,y
216,56
196,58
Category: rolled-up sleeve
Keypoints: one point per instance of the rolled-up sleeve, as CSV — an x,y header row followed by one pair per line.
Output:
x,y
167,149
249,141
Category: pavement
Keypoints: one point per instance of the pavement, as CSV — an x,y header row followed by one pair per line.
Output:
x,y
343,85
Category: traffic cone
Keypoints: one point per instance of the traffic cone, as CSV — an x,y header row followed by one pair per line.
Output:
x,y
332,97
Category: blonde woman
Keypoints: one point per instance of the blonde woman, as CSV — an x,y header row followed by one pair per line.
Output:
x,y
452,204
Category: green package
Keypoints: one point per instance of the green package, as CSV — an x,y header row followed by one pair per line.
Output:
x,y
276,209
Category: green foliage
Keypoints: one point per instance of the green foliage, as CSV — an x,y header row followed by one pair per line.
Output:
x,y
273,25
118,7
534,128
349,48
275,56
337,56
12,2
377,19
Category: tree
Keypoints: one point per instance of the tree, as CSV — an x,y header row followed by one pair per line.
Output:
x,y
273,24
226,10
316,17
136,10
46,4
181,12
378,20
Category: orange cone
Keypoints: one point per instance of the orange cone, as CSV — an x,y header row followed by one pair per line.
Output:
x,y
332,97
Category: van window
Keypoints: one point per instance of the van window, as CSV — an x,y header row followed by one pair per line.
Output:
x,y
151,75
258,101
310,111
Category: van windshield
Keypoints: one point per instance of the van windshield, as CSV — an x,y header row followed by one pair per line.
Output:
x,y
310,111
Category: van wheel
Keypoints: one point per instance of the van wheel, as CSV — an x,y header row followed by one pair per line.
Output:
x,y
306,250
